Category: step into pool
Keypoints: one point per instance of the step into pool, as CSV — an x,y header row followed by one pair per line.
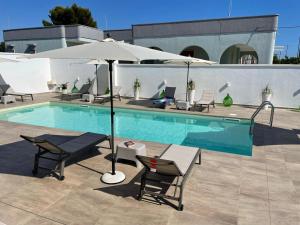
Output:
x,y
208,132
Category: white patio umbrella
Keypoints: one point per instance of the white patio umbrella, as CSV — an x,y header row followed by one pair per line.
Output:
x,y
110,51
3,59
189,62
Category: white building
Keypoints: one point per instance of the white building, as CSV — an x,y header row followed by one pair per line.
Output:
x,y
227,41
237,40
38,39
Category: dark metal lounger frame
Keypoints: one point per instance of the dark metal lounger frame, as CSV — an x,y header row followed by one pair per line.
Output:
x,y
21,95
5,87
177,174
45,146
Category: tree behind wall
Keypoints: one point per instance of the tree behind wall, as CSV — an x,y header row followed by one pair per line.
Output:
x,y
70,15
2,46
286,60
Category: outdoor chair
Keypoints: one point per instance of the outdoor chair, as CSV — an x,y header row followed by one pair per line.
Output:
x,y
1,92
175,163
83,90
168,99
207,99
6,88
106,97
62,150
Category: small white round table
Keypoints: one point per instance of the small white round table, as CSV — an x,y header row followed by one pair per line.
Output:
x,y
7,99
88,98
130,152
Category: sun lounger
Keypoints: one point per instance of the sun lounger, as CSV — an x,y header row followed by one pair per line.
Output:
x,y
206,99
83,90
168,99
1,92
175,162
106,97
9,91
62,150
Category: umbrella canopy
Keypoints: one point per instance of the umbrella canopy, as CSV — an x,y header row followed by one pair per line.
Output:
x,y
2,59
189,62
110,51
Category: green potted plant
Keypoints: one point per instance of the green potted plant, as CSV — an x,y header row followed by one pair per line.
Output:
x,y
191,91
266,95
107,91
75,89
136,88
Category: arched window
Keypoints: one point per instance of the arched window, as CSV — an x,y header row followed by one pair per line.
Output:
x,y
239,54
196,52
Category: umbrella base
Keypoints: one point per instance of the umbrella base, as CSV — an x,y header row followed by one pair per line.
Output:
x,y
109,178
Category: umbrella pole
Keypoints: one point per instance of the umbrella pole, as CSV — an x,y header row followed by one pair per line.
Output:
x,y
187,80
112,114
96,79
114,176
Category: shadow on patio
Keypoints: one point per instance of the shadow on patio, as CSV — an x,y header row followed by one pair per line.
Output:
x,y
17,158
265,135
131,189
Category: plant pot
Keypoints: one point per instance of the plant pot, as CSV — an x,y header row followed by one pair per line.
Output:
x,y
65,91
191,96
266,97
136,94
59,89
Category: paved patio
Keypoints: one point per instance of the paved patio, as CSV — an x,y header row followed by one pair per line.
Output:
x,y
225,189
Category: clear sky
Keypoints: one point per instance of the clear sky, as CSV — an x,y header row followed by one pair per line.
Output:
x,y
118,14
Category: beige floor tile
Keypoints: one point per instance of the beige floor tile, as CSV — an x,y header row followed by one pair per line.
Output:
x,y
254,185
81,206
37,196
225,189
10,215
284,212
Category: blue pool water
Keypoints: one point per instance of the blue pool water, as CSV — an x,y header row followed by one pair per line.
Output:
x,y
213,133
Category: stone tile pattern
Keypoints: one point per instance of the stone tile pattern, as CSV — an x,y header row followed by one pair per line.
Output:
x,y
225,189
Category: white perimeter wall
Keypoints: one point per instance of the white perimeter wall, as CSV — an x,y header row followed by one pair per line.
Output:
x,y
29,76
67,70
246,82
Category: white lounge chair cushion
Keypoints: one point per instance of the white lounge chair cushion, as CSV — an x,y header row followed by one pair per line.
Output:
x,y
182,155
102,96
207,97
204,102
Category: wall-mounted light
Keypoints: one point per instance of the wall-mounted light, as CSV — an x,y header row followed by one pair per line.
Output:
x,y
228,84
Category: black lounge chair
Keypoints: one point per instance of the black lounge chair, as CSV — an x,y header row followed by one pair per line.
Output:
x,y
6,88
1,92
63,149
175,162
168,99
83,90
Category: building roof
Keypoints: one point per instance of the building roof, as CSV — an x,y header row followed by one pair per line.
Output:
x,y
246,24
53,32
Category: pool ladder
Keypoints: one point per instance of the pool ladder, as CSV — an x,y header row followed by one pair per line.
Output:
x,y
257,111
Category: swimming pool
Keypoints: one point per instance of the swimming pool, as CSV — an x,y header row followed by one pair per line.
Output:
x,y
213,133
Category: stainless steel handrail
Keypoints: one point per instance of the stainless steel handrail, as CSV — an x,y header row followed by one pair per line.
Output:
x,y
258,110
